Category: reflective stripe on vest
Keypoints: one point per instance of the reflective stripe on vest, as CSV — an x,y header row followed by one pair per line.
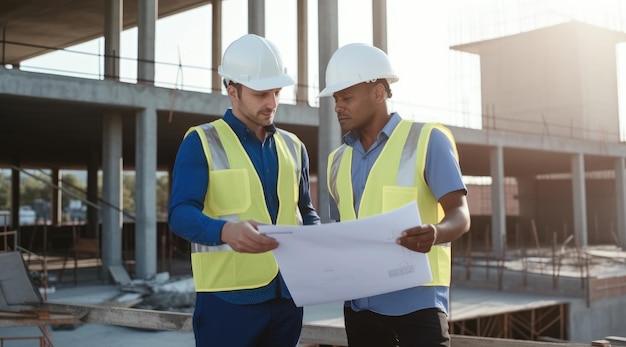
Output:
x,y
239,196
405,155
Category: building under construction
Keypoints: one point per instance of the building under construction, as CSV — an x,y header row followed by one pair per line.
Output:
x,y
548,221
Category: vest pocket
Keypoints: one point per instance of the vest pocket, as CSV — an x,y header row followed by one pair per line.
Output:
x,y
440,261
396,196
229,191
222,271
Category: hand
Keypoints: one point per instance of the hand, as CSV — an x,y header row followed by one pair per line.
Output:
x,y
244,237
419,239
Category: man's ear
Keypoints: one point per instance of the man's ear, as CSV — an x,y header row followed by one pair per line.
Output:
x,y
231,91
380,94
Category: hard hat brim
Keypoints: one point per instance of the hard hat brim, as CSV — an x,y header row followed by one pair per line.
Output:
x,y
332,89
269,83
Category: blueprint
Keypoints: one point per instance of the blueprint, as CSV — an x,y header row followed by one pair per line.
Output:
x,y
349,260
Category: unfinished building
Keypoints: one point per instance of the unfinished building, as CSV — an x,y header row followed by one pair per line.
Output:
x,y
549,128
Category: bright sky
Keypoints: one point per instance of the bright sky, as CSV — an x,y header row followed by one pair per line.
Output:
x,y
436,83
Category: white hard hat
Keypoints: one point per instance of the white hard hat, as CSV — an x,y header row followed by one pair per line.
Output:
x,y
254,62
356,63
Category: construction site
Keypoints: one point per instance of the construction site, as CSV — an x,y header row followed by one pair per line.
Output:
x,y
544,263
531,296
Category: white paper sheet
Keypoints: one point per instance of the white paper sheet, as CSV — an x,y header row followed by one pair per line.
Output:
x,y
349,260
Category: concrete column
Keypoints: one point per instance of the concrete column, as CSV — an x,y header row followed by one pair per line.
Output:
x,y
216,45
498,202
256,17
113,20
620,194
15,198
4,47
329,131
93,214
112,167
379,17
146,34
145,194
302,90
579,198
56,203
526,197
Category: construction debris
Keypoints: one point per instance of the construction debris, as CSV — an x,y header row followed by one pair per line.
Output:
x,y
160,293
21,303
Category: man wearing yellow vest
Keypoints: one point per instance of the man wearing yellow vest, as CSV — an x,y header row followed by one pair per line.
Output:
x,y
229,176
384,163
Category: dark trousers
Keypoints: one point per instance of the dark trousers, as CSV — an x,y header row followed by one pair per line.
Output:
x,y
423,328
275,323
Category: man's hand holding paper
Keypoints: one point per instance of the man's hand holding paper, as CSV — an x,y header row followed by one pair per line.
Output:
x,y
349,260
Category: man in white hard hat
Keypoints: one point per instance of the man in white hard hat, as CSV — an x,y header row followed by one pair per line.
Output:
x,y
385,163
229,176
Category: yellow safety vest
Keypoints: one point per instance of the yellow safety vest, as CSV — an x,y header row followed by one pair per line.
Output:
x,y
235,193
396,178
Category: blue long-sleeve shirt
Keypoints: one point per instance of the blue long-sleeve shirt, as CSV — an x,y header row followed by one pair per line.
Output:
x,y
190,180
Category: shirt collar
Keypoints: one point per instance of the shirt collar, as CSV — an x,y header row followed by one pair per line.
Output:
x,y
240,129
352,136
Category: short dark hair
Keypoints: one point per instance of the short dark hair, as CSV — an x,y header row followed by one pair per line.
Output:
x,y
385,84
236,85
387,87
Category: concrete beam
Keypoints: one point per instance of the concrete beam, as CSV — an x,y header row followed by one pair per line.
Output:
x,y
114,94
535,142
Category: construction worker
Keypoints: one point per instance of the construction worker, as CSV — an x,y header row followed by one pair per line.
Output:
x,y
385,163
229,176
